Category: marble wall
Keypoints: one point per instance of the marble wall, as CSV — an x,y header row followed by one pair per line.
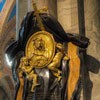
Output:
x,y
92,18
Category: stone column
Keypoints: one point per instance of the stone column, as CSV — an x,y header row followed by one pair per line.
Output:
x,y
22,10
17,18
52,6
67,15
64,14
29,5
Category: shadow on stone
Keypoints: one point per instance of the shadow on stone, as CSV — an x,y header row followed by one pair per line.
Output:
x,y
93,66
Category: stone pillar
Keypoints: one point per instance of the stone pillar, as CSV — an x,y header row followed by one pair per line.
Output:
x,y
67,15
74,17
17,18
22,10
52,6
64,14
29,5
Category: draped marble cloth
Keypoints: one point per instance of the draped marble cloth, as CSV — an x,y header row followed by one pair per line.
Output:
x,y
50,88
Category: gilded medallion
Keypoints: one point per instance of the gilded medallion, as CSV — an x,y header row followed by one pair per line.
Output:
x,y
40,48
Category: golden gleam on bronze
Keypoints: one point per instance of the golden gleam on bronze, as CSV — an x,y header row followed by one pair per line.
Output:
x,y
40,49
